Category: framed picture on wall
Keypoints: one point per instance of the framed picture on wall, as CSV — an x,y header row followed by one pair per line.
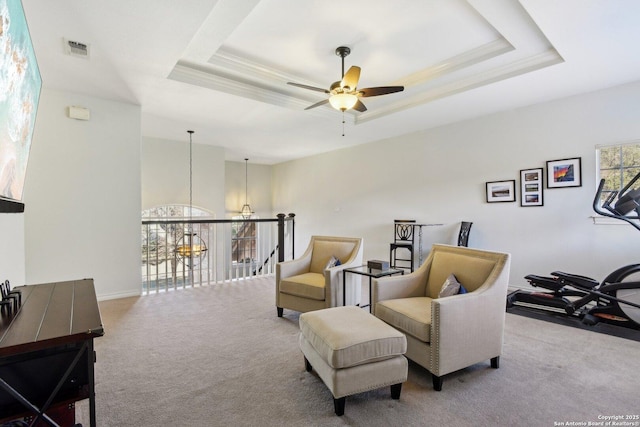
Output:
x,y
531,187
564,173
501,191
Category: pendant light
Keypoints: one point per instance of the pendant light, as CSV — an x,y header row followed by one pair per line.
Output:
x,y
194,246
246,211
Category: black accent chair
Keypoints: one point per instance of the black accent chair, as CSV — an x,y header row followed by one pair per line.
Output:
x,y
404,237
463,235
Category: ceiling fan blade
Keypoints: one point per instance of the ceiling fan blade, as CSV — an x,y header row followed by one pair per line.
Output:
x,y
360,107
351,78
382,90
317,89
317,104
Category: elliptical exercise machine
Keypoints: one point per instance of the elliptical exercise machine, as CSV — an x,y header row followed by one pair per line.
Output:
x,y
615,300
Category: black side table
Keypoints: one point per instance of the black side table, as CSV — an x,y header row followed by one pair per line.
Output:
x,y
363,270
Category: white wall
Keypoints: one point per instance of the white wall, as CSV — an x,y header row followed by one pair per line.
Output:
x,y
82,195
12,248
258,189
165,174
439,176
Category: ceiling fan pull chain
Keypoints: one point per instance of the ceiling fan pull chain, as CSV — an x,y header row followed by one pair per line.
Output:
x,y
343,123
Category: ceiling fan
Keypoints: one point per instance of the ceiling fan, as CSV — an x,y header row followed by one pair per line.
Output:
x,y
344,93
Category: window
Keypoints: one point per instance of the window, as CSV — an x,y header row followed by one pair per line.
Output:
x,y
243,240
175,212
617,164
161,241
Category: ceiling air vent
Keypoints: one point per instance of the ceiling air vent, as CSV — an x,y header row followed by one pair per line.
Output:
x,y
77,49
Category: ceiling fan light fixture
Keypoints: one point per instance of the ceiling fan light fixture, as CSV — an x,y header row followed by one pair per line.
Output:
x,y
343,101
344,94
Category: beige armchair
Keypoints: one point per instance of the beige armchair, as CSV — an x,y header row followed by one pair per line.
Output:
x,y
448,333
306,284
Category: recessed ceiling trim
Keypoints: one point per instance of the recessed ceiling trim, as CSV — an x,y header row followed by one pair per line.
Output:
x,y
512,69
466,59
236,75
222,21
228,60
199,75
242,77
228,82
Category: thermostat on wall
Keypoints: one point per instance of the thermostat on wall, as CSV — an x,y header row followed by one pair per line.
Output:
x,y
78,113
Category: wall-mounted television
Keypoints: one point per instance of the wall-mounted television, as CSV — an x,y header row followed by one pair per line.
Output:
x,y
20,85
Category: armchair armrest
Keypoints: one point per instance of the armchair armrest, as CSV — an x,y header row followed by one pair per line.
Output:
x,y
393,287
333,279
469,328
294,267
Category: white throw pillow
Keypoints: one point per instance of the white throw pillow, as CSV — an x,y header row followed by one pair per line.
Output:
x,y
451,286
333,262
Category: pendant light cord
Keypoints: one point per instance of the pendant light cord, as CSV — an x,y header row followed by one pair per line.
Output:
x,y
246,182
190,177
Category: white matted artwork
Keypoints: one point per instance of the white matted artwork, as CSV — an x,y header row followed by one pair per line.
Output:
x,y
501,191
531,193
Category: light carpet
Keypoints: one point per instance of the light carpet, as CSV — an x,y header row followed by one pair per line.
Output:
x,y
219,356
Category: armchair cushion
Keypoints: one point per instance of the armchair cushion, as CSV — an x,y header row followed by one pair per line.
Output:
x,y
409,315
306,285
472,272
368,339
323,250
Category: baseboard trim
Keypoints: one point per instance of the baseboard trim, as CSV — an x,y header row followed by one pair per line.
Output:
x,y
118,295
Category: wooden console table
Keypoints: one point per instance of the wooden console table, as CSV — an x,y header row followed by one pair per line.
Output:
x,y
46,350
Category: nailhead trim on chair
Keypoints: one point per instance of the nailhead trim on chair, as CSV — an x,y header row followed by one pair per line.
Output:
x,y
435,337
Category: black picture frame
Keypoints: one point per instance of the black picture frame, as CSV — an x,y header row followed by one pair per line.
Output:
x,y
564,173
531,187
501,191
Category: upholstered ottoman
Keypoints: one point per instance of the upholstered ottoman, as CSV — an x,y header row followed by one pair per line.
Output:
x,y
352,351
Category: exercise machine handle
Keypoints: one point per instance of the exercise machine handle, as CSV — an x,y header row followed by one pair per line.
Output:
x,y
600,211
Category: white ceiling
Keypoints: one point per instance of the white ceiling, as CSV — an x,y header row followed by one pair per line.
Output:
x,y
221,67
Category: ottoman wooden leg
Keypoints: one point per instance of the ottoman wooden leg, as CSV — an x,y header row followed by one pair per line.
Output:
x,y
307,365
338,405
395,391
